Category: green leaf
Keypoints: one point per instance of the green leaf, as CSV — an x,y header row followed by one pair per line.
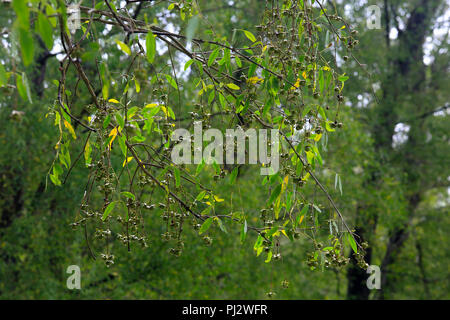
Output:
x,y
123,47
249,35
328,127
55,180
352,242
221,225
26,46
275,84
22,11
137,85
27,86
213,56
50,12
188,64
211,96
304,210
205,226
199,67
232,86
216,166
222,100
150,44
45,31
106,121
251,70
258,242
201,195
267,107
123,146
227,57
272,231
129,195
171,81
206,211
113,7
105,91
57,169
233,175
3,76
176,171
23,87
321,81
275,193
238,61
20,87
269,257
322,113
108,210
200,167
120,120
154,111
343,78
170,113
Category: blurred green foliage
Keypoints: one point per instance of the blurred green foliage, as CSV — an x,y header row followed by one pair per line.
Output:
x,y
37,243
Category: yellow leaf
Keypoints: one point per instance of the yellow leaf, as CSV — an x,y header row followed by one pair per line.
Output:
x,y
326,68
317,137
232,86
126,161
254,80
87,150
285,183
57,119
113,133
309,156
151,105
123,47
301,219
304,75
296,85
113,101
218,199
343,27
138,86
70,128
163,108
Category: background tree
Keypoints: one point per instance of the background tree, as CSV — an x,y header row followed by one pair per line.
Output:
x,y
406,125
